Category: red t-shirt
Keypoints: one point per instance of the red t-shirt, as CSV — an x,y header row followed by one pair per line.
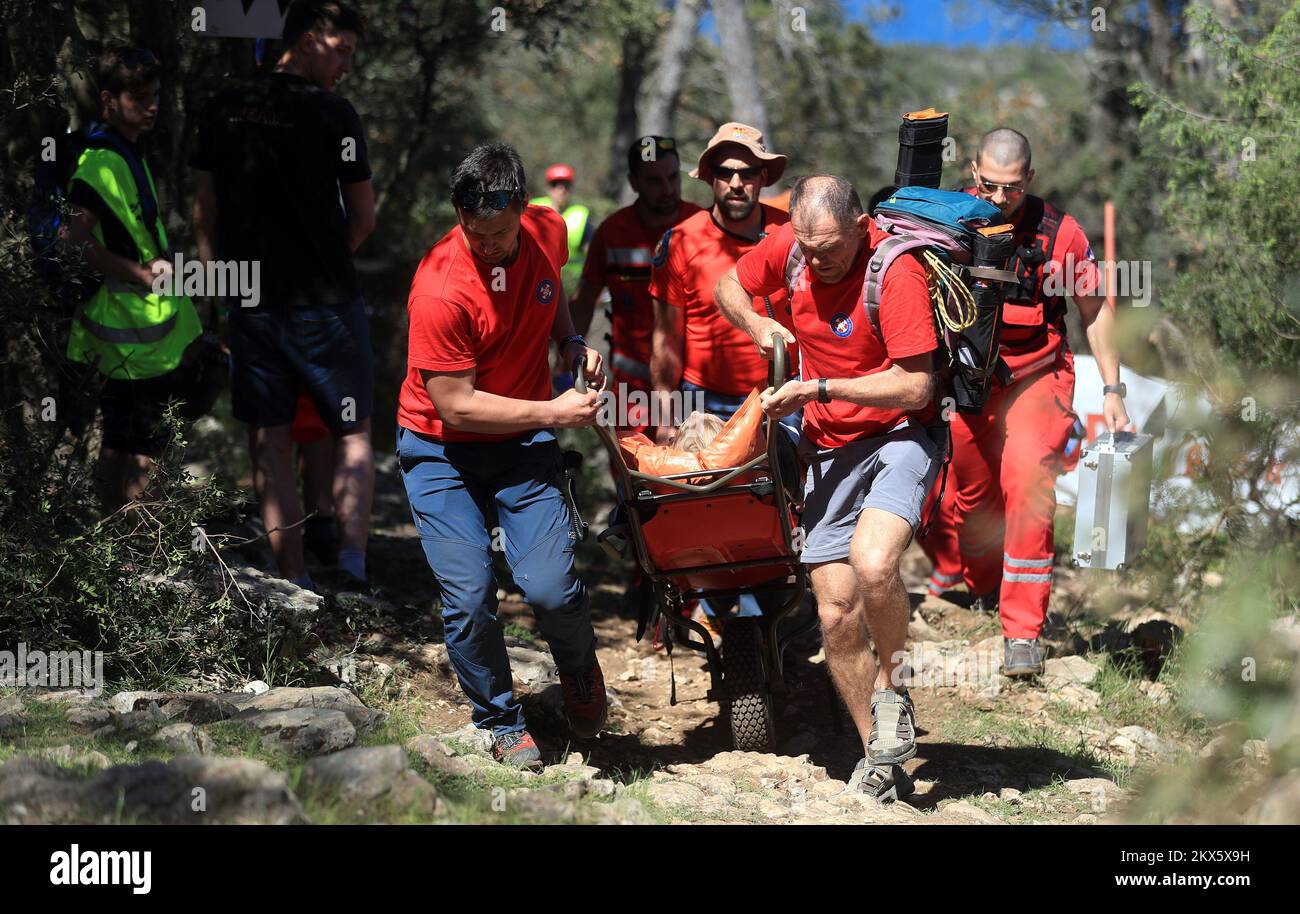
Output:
x,y
1025,347
688,262
619,259
838,340
495,319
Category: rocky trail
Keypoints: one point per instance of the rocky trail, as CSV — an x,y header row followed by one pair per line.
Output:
x,y
389,739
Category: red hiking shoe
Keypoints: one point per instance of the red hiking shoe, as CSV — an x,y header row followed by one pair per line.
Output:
x,y
585,704
517,749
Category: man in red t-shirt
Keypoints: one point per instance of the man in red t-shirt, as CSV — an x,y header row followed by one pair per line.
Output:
x,y
1001,495
695,351
478,458
866,396
619,259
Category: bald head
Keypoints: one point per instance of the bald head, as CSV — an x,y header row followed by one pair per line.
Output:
x,y
816,198
828,222
1005,148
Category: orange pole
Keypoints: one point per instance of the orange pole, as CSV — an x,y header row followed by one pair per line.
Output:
x,y
1110,254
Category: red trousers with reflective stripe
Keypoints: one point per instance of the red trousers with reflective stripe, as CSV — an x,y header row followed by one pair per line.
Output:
x,y
995,523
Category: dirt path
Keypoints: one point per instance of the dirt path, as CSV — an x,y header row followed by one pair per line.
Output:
x,y
1014,752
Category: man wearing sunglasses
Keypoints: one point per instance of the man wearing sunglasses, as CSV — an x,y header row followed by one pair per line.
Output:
x,y
476,446
695,349
995,527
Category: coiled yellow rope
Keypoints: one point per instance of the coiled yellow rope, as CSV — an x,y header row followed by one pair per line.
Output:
x,y
954,303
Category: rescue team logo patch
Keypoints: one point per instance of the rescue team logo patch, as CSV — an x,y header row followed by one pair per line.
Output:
x,y
545,291
841,324
660,256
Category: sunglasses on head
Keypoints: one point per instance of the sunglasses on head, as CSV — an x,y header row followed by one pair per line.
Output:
x,y
492,199
722,173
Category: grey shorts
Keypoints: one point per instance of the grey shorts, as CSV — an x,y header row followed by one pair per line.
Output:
x,y
891,472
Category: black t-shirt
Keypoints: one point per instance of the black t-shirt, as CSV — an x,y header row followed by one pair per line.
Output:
x,y
279,147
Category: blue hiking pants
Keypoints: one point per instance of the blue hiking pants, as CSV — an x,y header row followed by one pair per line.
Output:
x,y
467,499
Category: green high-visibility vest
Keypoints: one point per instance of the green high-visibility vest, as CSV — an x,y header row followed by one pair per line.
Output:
x,y
126,330
575,218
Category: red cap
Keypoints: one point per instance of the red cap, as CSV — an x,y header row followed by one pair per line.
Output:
x,y
559,172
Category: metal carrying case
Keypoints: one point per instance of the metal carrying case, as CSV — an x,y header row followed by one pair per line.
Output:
x,y
1110,520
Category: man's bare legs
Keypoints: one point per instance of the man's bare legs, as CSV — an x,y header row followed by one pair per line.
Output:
x,y
861,599
276,485
316,465
354,492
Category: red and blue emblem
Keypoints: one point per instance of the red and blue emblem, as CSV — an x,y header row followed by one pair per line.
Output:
x,y
841,324
545,291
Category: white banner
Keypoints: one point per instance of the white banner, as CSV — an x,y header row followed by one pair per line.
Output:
x,y
244,18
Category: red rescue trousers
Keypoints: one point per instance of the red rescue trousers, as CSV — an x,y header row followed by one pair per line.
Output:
x,y
994,528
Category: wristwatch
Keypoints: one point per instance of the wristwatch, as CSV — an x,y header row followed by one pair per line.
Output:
x,y
1119,388
823,395
576,338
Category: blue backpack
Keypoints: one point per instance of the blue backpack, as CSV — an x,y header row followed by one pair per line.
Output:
x,y
48,208
960,235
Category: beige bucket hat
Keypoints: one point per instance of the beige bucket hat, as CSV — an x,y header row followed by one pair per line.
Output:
x,y
737,134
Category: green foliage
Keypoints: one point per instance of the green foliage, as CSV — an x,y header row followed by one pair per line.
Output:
x,y
1231,166
73,580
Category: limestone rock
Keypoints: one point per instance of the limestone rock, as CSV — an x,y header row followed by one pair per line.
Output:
x,y
184,737
970,812
304,731
188,789
439,756
367,774
323,697
1059,672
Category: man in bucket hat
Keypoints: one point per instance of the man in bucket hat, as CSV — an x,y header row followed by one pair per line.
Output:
x,y
695,349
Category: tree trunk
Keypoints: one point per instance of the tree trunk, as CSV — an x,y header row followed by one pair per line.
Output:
x,y
636,52
660,107
741,70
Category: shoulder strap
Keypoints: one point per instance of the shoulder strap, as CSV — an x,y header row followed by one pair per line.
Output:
x,y
103,138
1049,223
882,258
794,266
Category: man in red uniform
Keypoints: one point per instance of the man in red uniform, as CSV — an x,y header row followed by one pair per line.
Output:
x,y
868,440
476,449
1006,460
695,350
619,259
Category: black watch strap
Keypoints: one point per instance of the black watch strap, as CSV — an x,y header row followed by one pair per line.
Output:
x,y
823,394
1121,388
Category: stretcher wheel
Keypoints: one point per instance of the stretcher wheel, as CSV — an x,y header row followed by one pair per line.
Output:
x,y
744,679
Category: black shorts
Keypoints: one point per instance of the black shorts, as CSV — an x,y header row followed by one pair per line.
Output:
x,y
324,351
133,412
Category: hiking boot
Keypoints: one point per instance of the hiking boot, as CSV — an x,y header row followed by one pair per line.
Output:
x,y
893,728
986,602
517,749
1022,657
585,705
886,783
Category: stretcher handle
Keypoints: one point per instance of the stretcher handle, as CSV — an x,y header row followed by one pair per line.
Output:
x,y
778,360
580,374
